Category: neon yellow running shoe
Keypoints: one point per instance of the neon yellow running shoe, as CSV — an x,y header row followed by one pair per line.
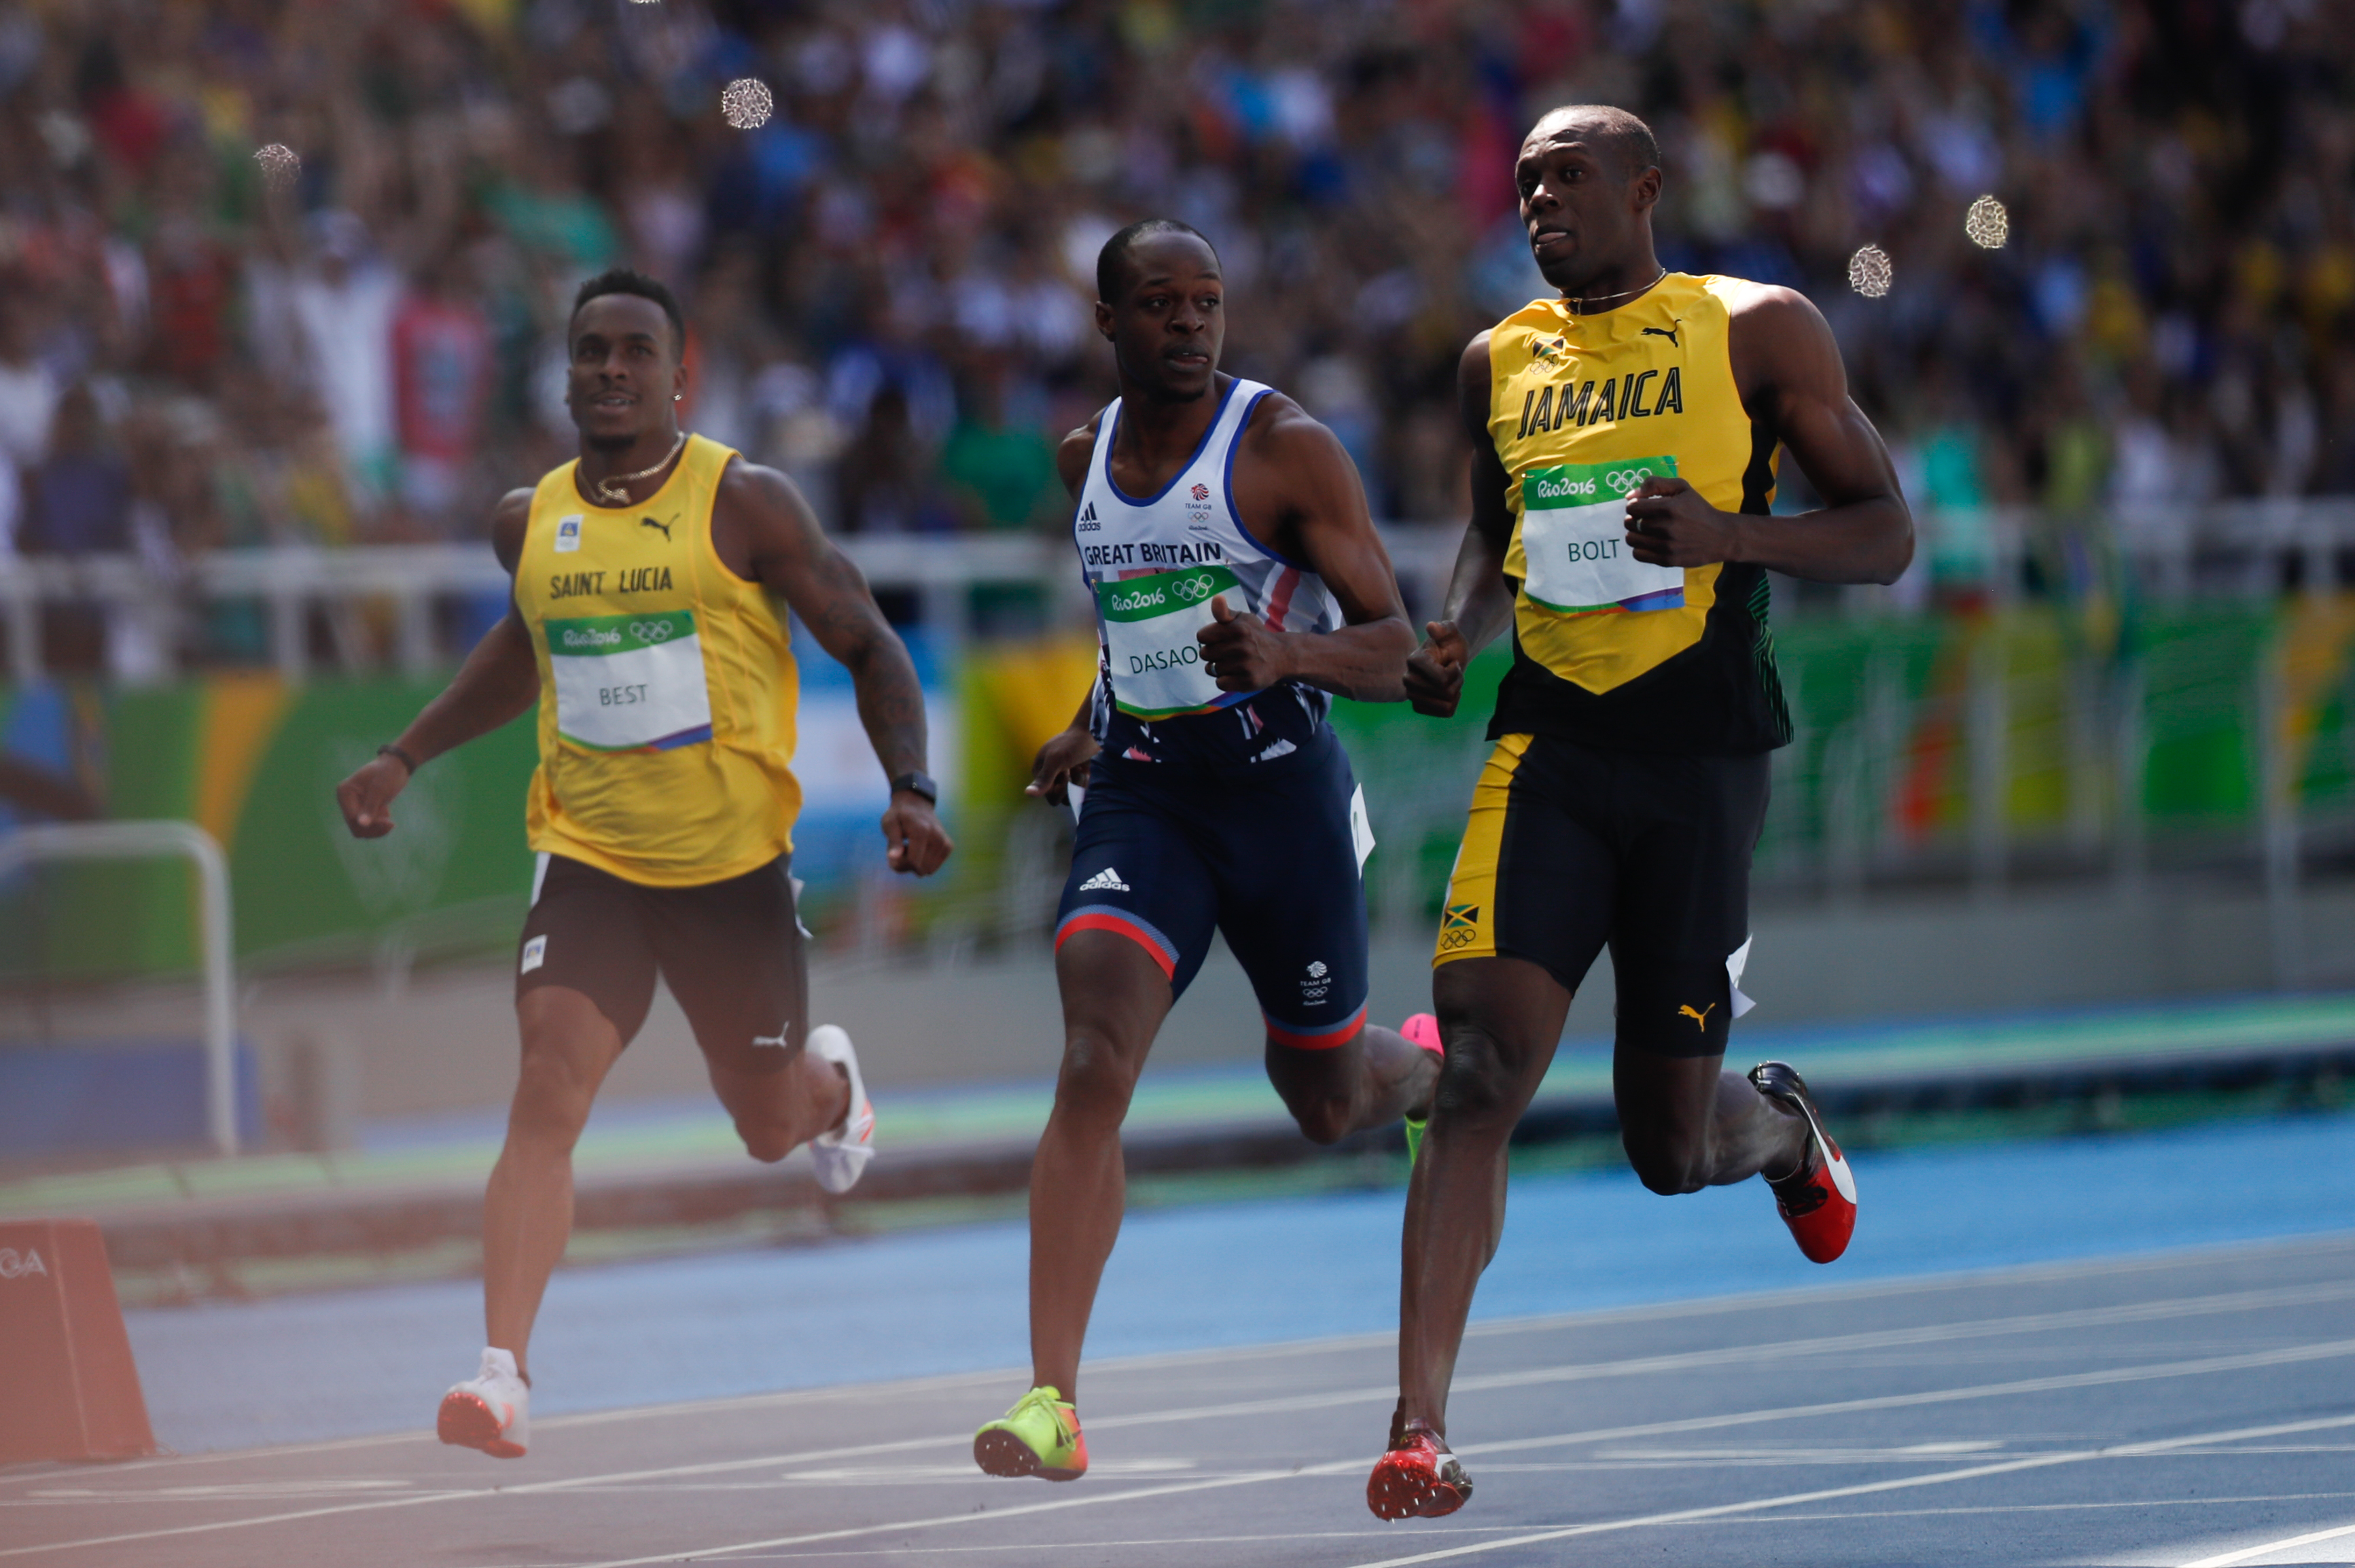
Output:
x,y
1039,1436
1422,1029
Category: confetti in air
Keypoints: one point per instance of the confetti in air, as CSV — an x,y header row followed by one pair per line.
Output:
x,y
1870,272
280,165
745,103
1986,225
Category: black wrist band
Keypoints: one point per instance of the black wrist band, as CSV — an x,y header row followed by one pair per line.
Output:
x,y
917,783
405,760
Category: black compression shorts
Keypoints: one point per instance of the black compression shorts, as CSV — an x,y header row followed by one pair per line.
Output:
x,y
1570,846
732,952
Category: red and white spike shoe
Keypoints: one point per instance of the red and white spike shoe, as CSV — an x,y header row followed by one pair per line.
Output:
x,y
1418,1478
1818,1202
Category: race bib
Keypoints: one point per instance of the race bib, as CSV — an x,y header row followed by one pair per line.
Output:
x,y
628,683
1574,537
1149,626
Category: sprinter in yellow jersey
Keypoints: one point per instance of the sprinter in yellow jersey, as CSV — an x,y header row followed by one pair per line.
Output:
x,y
1625,440
645,627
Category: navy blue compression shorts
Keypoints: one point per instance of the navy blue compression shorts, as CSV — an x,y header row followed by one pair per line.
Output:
x,y
1264,854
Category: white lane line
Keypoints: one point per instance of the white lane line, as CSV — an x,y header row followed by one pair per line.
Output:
x,y
2325,1351
2250,1553
980,1547
2210,1258
2201,1367
1869,1489
1338,1466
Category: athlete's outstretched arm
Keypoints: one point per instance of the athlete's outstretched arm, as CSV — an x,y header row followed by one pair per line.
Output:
x,y
1479,601
760,519
499,682
1063,761
1294,479
1788,367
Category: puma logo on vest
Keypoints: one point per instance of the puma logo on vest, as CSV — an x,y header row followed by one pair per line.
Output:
x,y
1667,332
650,523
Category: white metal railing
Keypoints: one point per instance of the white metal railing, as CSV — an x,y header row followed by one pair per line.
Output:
x,y
148,841
292,581
2235,548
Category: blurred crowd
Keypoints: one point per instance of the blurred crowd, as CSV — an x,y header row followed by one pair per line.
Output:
x,y
357,334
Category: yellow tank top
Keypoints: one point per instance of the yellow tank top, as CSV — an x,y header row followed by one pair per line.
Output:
x,y
1607,650
666,685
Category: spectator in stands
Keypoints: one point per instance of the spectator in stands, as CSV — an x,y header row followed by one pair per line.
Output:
x,y
2174,309
442,377
79,497
343,305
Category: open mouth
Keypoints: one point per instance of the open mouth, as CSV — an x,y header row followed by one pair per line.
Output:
x,y
615,400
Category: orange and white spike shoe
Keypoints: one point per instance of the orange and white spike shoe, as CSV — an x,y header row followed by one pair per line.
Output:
x,y
840,1154
1819,1201
490,1410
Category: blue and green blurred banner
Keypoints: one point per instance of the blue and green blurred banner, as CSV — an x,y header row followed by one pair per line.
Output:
x,y
255,760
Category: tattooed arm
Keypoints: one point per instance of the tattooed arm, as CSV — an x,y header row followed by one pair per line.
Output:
x,y
765,532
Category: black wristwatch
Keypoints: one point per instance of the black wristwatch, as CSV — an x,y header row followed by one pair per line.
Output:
x,y
916,783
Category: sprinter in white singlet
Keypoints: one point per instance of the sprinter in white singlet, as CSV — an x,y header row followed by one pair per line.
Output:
x,y
1238,585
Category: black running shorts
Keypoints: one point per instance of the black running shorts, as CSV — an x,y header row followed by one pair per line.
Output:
x,y
1570,846
731,953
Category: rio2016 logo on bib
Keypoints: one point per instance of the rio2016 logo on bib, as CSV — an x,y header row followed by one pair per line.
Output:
x,y
1149,625
628,683
1574,537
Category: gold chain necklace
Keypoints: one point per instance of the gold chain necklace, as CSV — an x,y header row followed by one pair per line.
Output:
x,y
615,489
1583,300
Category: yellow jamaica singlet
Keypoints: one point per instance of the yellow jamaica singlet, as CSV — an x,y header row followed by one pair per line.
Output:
x,y
666,685
1606,650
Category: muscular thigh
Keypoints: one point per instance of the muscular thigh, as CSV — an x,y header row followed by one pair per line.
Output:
x,y
587,933
1538,878
1684,898
1292,901
732,954
1136,874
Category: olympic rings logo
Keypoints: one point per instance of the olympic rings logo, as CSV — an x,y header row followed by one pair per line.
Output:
x,y
1190,589
1623,480
651,631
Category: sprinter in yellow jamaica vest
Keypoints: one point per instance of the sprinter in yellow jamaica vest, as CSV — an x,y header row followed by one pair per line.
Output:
x,y
645,625
1624,439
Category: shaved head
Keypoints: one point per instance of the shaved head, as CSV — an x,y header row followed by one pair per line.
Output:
x,y
1628,140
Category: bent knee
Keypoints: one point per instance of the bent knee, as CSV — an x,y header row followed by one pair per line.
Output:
x,y
767,1145
1097,1079
1476,1086
550,1108
1669,1166
1324,1122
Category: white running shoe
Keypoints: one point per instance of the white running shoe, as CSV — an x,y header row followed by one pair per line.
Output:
x,y
490,1410
841,1155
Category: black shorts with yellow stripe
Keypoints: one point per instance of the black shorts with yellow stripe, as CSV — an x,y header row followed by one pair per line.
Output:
x,y
1572,847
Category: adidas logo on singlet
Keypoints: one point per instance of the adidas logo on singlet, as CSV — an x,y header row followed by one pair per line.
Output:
x,y
1104,882
1088,524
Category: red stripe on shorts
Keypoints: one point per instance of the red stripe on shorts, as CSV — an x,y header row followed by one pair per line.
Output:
x,y
1325,1040
1098,920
